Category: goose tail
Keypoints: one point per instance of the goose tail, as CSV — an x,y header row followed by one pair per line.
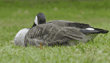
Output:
x,y
93,31
101,30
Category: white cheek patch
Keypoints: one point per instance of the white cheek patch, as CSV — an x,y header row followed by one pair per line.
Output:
x,y
89,28
36,20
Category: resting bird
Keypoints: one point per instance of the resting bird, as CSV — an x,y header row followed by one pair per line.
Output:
x,y
59,32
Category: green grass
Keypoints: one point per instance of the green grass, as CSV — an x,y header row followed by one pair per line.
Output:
x,y
14,13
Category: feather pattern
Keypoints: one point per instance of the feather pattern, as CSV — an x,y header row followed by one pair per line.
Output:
x,y
50,34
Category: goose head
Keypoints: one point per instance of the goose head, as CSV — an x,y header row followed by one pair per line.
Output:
x,y
39,19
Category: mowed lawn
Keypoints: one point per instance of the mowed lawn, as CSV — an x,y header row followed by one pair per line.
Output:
x,y
15,15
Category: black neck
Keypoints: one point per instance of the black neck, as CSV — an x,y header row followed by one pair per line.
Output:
x,y
33,25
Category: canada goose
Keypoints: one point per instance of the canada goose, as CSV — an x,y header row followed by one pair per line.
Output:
x,y
54,33
19,38
40,19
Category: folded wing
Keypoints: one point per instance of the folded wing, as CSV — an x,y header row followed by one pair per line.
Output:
x,y
49,34
69,24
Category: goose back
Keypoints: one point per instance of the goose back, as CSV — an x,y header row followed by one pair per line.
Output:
x,y
49,34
